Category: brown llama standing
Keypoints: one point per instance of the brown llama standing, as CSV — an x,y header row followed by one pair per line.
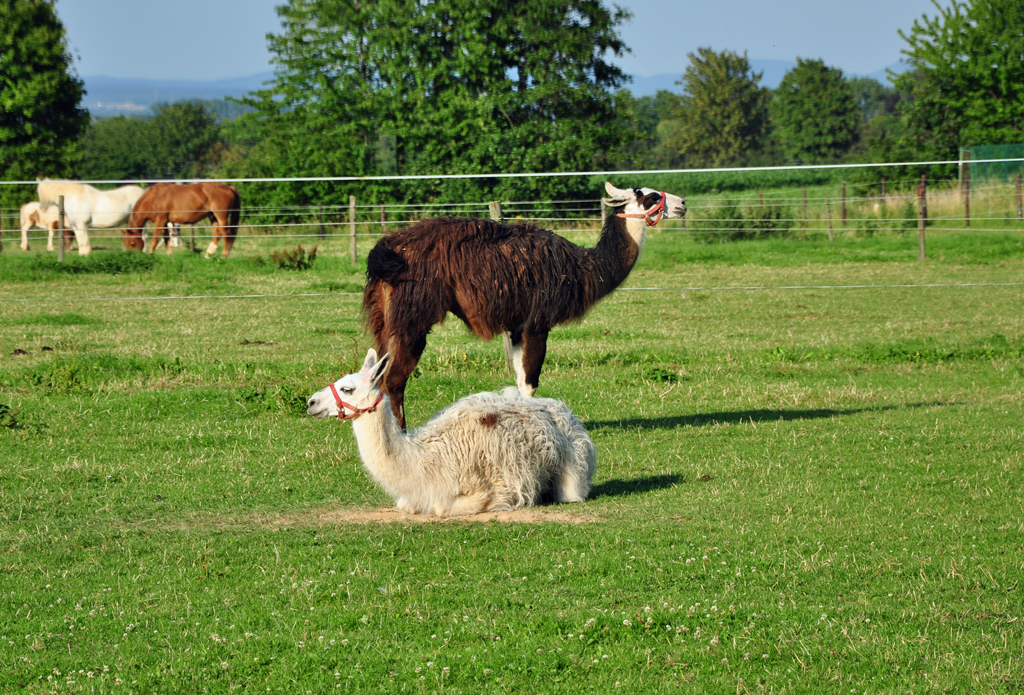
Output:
x,y
518,280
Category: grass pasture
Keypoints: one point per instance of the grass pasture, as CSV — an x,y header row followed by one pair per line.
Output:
x,y
814,490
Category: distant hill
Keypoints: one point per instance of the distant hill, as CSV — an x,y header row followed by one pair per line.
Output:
x,y
112,95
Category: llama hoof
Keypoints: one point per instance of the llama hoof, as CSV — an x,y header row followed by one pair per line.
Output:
x,y
24,247
49,247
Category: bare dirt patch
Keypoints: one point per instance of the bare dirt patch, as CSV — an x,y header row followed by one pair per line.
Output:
x,y
388,516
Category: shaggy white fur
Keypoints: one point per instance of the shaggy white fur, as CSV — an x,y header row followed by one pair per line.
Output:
x,y
487,452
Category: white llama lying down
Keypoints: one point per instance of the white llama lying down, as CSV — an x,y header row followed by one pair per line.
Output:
x,y
487,452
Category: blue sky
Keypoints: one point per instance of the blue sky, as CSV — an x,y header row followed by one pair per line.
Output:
x,y
157,39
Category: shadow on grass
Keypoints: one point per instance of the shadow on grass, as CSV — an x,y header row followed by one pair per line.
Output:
x,y
621,488
740,416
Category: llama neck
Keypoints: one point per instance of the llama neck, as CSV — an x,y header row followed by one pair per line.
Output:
x,y
617,250
387,452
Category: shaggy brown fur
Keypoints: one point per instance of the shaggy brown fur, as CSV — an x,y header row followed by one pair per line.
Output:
x,y
498,278
185,204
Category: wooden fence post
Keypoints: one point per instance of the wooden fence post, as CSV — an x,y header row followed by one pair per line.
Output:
x,y
604,213
883,193
192,238
922,217
352,225
805,204
844,204
828,211
1020,208
760,195
495,210
60,229
320,221
967,188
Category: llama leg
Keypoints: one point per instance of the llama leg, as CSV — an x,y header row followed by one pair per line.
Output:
x,y
466,504
24,237
534,348
405,355
513,342
49,240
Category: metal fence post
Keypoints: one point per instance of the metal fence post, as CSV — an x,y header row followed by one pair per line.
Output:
x,y
320,221
383,220
883,193
805,204
495,209
352,226
60,229
828,212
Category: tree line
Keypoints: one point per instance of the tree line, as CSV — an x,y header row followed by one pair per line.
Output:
x,y
485,86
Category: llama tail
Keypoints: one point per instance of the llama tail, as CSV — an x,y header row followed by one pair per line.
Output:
x,y
384,264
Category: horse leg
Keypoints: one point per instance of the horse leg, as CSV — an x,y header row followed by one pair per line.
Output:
x,y
223,228
535,347
82,236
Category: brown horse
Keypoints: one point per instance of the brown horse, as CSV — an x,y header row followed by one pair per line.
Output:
x,y
185,204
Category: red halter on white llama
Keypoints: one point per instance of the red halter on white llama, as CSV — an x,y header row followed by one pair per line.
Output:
x,y
488,452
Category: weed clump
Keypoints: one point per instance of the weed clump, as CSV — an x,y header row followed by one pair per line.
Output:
x,y
731,222
294,260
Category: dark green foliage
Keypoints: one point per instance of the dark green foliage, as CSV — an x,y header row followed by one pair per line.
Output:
x,y
448,87
727,220
815,113
966,85
296,259
181,140
40,116
872,97
117,148
723,113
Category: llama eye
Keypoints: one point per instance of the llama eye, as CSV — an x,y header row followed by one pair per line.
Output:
x,y
347,390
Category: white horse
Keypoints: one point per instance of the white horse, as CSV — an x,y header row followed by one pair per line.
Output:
x,y
85,206
35,215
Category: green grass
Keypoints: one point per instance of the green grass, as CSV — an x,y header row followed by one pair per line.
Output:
x,y
797,491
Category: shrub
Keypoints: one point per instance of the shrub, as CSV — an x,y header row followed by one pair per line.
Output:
x,y
294,260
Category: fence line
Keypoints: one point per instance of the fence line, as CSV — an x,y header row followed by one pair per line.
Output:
x,y
545,174
724,288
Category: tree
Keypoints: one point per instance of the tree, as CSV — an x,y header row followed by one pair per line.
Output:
x,y
116,148
815,113
183,137
723,114
40,116
873,97
180,141
966,82
453,86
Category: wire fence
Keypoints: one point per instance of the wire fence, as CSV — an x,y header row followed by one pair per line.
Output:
x,y
844,208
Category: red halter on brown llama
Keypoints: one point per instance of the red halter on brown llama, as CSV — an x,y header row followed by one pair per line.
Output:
x,y
518,280
174,203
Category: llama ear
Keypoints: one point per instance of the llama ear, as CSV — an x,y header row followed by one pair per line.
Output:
x,y
380,369
617,196
371,359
